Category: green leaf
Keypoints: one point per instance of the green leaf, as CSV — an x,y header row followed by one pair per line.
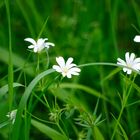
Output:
x,y
23,102
20,64
97,134
51,133
111,74
4,89
123,131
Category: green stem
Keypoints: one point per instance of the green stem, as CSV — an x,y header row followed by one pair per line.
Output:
x,y
10,68
48,60
123,106
37,67
107,64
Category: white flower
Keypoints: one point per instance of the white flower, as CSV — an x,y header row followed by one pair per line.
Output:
x,y
39,45
66,69
137,38
131,61
12,115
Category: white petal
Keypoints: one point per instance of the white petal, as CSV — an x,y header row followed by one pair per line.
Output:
x,y
71,65
69,61
137,60
127,58
125,69
137,38
73,72
129,71
40,42
69,75
136,66
30,40
60,60
132,57
63,74
31,46
49,44
35,49
121,62
57,68
75,69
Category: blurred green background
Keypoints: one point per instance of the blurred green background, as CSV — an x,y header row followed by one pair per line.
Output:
x,y
88,31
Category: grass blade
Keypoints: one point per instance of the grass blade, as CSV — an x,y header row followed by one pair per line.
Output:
x,y
23,101
51,133
10,67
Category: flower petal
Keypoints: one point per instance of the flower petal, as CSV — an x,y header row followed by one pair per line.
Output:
x,y
30,40
137,38
69,75
132,57
60,60
121,62
57,68
40,42
35,49
129,71
127,58
69,61
31,46
137,60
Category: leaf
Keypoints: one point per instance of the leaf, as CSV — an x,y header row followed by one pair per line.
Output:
x,y
23,101
4,55
51,133
4,89
4,124
123,131
97,134
115,71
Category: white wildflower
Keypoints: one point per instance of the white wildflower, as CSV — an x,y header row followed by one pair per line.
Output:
x,y
66,69
12,115
39,45
131,62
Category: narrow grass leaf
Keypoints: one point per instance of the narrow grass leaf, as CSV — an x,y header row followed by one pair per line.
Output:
x,y
111,74
42,29
97,134
19,64
51,133
4,89
123,131
23,102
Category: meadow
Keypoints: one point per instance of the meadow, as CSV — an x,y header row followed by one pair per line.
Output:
x,y
69,70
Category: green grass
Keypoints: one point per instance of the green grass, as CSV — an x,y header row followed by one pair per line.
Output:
x,y
102,103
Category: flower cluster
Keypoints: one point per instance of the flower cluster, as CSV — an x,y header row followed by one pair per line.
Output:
x,y
12,115
131,62
66,69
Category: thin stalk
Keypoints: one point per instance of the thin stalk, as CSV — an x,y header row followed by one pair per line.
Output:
x,y
43,27
37,67
107,64
61,129
48,60
123,106
10,67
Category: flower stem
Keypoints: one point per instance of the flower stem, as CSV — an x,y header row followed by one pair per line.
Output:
x,y
123,107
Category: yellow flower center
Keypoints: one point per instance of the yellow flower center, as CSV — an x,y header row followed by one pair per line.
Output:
x,y
65,70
